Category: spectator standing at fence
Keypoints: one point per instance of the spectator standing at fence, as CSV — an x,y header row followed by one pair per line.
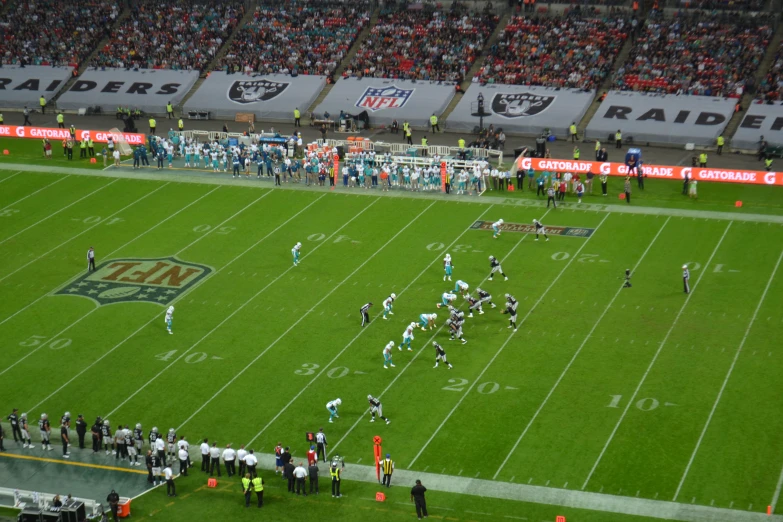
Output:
x,y
169,110
434,123
720,142
602,155
618,139
572,130
42,102
26,113
297,118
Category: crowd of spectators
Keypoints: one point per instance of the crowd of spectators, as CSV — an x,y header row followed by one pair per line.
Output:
x,y
422,44
710,54
771,85
170,34
724,5
567,52
299,37
48,32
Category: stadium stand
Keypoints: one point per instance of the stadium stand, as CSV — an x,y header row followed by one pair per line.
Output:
x,y
770,86
423,44
170,34
47,32
309,37
710,54
568,52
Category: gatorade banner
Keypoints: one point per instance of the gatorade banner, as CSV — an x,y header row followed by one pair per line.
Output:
x,y
754,177
39,133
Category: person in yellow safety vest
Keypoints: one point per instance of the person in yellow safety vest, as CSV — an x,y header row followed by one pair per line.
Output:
x,y
768,163
405,126
597,146
720,141
152,125
387,465
409,136
703,160
258,487
60,121
72,131
434,123
91,147
424,146
618,139
169,110
83,149
42,101
461,143
297,117
247,489
334,472
576,153
1,118
572,128
181,125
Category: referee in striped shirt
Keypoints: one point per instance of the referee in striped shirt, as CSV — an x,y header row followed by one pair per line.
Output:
x,y
686,275
91,260
365,316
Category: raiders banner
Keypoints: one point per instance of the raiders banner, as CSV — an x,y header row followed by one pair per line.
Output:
x,y
521,109
146,89
20,86
269,97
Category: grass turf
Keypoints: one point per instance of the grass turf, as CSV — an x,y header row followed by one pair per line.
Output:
x,y
259,346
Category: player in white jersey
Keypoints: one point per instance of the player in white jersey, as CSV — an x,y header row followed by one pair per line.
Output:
x,y
496,227
169,318
427,320
388,305
188,153
332,407
213,155
462,287
446,299
407,337
447,267
225,161
387,355
295,252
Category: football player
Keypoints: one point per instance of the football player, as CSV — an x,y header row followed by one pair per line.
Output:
x,y
332,407
46,429
455,326
494,265
169,318
512,301
407,337
387,355
446,299
440,355
511,309
496,227
447,267
138,441
461,287
295,252
540,229
388,305
107,438
25,428
171,440
426,320
474,304
130,447
376,407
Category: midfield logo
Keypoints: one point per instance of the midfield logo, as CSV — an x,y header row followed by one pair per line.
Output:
x,y
252,91
377,99
158,280
530,229
520,104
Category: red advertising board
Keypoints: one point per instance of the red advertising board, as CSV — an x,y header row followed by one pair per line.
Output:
x,y
14,131
754,177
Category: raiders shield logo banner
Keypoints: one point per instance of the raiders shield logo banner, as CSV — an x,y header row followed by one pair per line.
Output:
x,y
252,91
391,97
521,104
157,280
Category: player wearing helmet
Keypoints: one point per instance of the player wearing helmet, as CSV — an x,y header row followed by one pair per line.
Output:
x,y
440,355
331,406
407,337
447,267
388,304
387,355
376,407
427,320
494,266
540,229
169,318
295,252
496,227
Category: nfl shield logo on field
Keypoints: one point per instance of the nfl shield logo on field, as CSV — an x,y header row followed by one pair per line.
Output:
x,y
378,99
156,280
521,104
252,91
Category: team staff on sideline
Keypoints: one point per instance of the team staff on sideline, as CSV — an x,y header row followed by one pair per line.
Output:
x,y
300,474
114,503
387,465
182,454
171,489
229,457
313,471
251,461
214,457
205,456
13,419
417,497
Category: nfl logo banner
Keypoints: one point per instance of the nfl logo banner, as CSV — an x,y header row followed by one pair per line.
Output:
x,y
377,99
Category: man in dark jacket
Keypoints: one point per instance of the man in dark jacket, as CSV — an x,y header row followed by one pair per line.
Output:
x,y
114,503
288,473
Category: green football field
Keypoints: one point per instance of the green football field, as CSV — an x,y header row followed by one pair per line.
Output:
x,y
623,393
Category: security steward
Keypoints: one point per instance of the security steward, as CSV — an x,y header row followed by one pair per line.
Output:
x,y
169,110
409,136
424,145
572,129
576,153
247,488
82,149
434,123
152,125
42,101
297,118
720,141
60,121
703,160
258,487
387,465
91,147
81,430
181,125
335,472
618,139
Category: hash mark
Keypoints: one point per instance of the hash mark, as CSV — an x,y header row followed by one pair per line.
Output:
x,y
530,480
425,469
656,495
460,472
637,492
547,483
693,500
712,502
358,461
477,474
565,485
601,490
444,471
731,505
512,479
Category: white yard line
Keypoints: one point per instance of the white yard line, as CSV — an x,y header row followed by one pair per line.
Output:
x,y
655,358
116,250
301,318
134,333
182,296
58,211
578,351
102,221
327,366
776,495
34,193
11,176
726,380
503,346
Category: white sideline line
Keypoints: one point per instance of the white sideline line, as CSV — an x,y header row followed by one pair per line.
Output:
x,y
34,193
776,496
58,211
11,176
102,221
115,251
578,351
301,318
326,366
655,358
419,352
177,299
726,381
503,346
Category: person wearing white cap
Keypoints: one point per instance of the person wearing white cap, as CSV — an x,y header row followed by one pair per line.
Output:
x,y
686,275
